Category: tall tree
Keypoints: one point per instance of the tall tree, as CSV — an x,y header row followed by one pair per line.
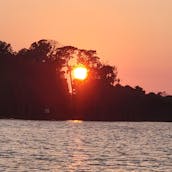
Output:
x,y
42,76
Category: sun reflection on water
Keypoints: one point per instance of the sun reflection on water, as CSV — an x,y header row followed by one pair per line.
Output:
x,y
75,121
77,154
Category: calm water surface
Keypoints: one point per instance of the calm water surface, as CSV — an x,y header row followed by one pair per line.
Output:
x,y
85,146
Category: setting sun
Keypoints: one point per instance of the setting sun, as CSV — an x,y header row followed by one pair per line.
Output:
x,y
80,73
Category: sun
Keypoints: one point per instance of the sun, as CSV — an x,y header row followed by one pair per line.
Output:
x,y
80,72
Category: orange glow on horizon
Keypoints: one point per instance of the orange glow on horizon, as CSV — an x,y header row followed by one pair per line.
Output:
x,y
80,73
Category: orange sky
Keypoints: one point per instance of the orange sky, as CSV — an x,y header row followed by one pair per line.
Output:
x,y
134,35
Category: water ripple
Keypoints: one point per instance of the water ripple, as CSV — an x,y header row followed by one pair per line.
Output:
x,y
85,146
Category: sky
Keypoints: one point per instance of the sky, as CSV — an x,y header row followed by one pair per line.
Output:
x,y
133,35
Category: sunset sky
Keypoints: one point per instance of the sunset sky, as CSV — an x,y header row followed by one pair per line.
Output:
x,y
134,35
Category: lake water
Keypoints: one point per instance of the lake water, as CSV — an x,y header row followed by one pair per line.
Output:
x,y
85,146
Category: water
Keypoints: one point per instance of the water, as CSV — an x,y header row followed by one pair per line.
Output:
x,y
85,146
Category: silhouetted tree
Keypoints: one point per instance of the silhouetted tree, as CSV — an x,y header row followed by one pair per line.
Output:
x,y
33,85
5,49
139,89
108,74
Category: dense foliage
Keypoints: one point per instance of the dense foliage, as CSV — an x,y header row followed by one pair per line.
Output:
x,y
34,85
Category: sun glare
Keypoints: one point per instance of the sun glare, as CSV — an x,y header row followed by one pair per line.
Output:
x,y
80,73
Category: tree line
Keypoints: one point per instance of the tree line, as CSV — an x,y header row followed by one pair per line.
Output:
x,y
34,85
